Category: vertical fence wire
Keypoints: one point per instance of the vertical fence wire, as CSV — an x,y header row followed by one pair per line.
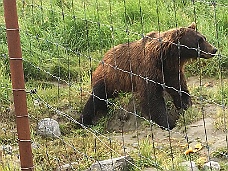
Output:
x,y
199,63
129,65
202,110
163,81
127,35
221,76
67,74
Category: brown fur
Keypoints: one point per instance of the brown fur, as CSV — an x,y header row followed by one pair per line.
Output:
x,y
156,57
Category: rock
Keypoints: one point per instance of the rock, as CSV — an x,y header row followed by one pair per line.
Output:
x,y
211,166
7,149
116,164
48,127
150,169
135,145
35,145
189,166
66,167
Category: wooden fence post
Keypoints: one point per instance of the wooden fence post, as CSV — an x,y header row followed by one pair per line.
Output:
x,y
18,85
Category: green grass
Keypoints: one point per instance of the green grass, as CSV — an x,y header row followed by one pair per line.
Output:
x,y
87,29
64,40
68,28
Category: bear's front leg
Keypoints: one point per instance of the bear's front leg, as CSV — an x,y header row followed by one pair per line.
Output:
x,y
96,102
154,106
181,99
88,112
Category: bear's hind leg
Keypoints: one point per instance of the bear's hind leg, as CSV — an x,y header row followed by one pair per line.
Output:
x,y
96,102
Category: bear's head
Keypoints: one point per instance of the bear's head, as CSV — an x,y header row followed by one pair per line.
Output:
x,y
193,44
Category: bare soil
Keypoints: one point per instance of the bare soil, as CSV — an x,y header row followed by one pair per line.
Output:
x,y
202,131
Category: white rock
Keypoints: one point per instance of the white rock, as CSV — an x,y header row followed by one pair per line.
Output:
x,y
66,167
135,145
150,169
211,166
48,127
116,164
7,149
35,145
189,166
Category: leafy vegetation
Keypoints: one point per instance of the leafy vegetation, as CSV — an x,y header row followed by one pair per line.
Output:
x,y
64,40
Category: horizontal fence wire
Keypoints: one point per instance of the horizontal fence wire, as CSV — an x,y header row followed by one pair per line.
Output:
x,y
117,68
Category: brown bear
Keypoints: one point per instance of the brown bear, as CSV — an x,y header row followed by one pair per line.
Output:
x,y
149,67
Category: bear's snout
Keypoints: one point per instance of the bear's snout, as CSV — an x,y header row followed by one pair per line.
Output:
x,y
208,54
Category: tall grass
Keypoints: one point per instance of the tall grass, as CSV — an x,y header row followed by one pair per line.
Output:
x,y
5,88
50,29
59,30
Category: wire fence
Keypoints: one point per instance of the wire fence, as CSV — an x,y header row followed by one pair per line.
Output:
x,y
63,42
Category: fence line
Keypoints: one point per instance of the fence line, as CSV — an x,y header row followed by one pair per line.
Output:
x,y
93,132
212,101
128,72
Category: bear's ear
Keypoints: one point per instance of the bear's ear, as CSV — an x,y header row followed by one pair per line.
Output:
x,y
192,26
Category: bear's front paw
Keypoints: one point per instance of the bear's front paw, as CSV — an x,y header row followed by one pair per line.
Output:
x,y
183,102
186,102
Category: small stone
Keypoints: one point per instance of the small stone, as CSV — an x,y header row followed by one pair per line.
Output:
x,y
116,164
135,145
7,149
35,145
189,166
48,127
66,167
150,169
211,166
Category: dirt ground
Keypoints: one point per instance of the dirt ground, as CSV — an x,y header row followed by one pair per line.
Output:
x,y
203,130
